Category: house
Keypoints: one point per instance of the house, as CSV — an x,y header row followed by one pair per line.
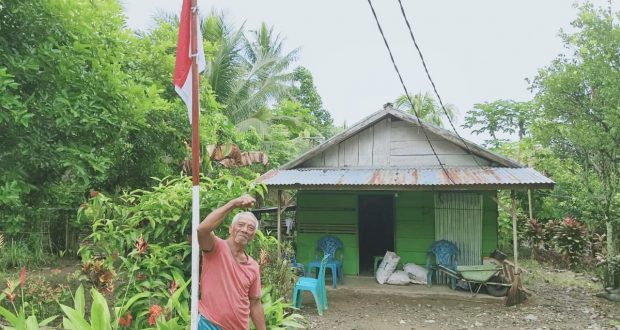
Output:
x,y
392,182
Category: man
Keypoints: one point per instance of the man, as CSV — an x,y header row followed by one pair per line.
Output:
x,y
230,286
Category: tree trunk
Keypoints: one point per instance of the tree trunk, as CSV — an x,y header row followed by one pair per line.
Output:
x,y
610,249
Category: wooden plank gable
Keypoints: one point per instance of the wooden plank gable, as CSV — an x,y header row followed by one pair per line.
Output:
x,y
392,142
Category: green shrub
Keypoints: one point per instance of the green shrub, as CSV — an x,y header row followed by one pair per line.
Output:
x,y
139,250
279,314
571,240
609,271
274,268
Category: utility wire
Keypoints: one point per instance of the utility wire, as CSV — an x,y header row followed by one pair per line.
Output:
x,y
407,92
402,9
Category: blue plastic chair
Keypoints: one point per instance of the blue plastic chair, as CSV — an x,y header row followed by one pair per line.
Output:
x,y
330,245
315,285
298,267
446,254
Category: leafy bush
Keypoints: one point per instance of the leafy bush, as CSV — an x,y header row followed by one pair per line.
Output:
x,y
571,239
608,270
535,235
563,243
279,314
19,320
278,280
143,236
275,270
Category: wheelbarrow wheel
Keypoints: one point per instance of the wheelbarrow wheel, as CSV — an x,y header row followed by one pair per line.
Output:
x,y
497,290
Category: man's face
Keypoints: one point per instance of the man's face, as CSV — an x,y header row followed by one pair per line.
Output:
x,y
243,230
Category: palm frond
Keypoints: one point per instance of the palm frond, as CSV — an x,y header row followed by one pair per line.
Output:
x,y
260,126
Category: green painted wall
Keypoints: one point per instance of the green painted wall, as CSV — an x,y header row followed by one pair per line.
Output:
x,y
489,223
414,224
327,208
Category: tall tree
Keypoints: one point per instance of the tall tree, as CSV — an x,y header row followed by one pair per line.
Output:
x,y
306,93
501,116
580,98
72,117
425,107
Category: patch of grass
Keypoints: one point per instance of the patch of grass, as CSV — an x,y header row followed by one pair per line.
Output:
x,y
538,274
17,252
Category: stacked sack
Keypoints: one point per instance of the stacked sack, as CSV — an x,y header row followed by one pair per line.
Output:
x,y
387,273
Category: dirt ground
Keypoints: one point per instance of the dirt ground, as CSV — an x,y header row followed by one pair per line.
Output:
x,y
363,304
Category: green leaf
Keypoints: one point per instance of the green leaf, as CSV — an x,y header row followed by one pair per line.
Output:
x,y
99,312
31,323
79,300
8,315
74,320
48,320
132,300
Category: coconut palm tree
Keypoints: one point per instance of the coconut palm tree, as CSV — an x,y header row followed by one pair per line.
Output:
x,y
425,107
267,79
247,74
226,67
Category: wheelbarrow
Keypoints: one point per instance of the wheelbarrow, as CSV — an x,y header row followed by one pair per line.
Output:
x,y
477,276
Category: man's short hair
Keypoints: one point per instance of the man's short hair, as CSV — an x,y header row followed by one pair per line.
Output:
x,y
245,214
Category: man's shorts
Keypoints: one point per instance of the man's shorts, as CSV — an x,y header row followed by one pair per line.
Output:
x,y
204,324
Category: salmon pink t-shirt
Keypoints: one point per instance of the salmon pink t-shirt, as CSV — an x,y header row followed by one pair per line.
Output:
x,y
226,286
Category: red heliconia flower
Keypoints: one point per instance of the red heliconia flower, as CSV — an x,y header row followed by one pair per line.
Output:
x,y
94,193
141,245
155,312
125,321
173,287
22,277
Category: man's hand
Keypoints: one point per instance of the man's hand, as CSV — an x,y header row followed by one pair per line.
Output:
x,y
244,201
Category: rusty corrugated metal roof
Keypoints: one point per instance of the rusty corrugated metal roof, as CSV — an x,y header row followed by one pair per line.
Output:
x,y
462,177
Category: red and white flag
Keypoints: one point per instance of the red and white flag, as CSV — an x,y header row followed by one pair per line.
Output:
x,y
183,66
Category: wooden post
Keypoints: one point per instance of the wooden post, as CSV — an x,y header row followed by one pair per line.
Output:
x,y
529,203
529,206
279,215
515,246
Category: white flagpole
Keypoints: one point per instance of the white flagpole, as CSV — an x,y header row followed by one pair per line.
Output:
x,y
195,168
195,255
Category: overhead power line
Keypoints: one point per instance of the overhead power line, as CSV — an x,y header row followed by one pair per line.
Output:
x,y
402,10
407,92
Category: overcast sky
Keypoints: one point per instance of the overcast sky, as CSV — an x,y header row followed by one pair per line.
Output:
x,y
476,51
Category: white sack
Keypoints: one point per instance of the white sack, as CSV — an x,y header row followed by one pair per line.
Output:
x,y
387,266
399,277
417,274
